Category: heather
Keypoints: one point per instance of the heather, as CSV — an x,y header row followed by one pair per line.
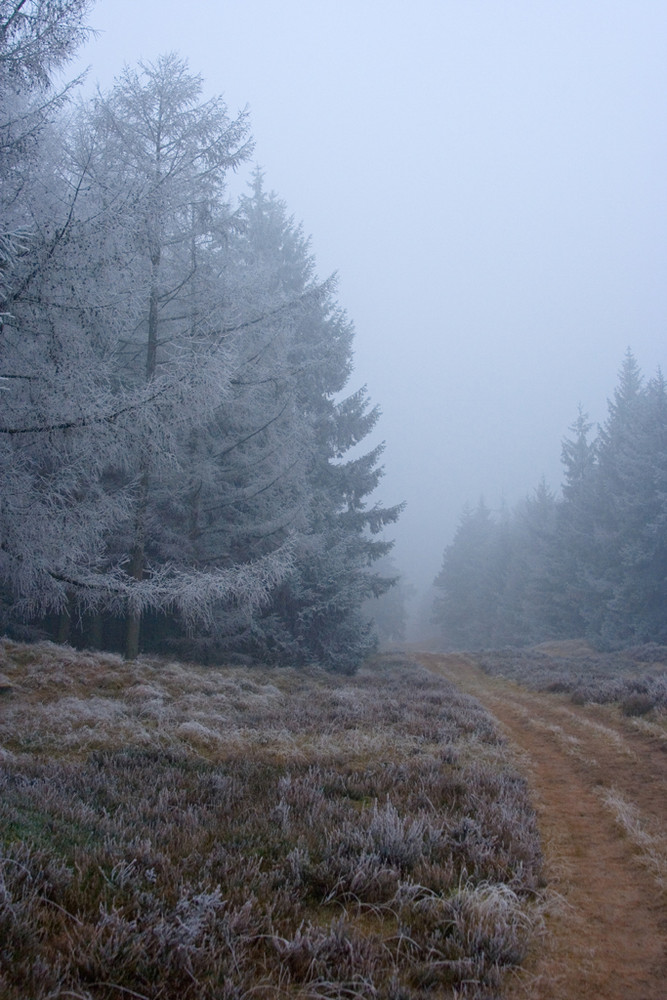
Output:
x,y
177,831
633,679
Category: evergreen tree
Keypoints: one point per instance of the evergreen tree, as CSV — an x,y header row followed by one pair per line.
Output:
x,y
578,456
173,435
249,465
593,563
321,605
389,611
537,521
155,139
316,613
651,555
614,504
115,352
470,582
574,594
632,550
55,413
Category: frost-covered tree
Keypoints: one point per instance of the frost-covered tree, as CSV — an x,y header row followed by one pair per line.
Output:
x,y
286,436
532,600
575,537
173,436
158,155
36,38
52,383
263,431
114,349
320,607
246,491
578,456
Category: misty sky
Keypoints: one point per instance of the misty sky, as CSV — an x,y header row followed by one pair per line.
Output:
x,y
488,177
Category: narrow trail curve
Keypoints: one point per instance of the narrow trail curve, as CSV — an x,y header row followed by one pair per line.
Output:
x,y
607,934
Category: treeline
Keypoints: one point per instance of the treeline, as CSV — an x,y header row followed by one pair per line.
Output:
x,y
590,563
174,436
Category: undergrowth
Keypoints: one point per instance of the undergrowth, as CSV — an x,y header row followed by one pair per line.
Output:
x,y
635,679
178,833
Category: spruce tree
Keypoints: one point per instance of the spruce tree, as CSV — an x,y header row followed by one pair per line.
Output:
x,y
632,477
316,615
575,594
470,582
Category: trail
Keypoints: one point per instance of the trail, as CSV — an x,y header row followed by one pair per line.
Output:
x,y
600,789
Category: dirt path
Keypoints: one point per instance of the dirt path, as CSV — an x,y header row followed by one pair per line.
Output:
x,y
600,789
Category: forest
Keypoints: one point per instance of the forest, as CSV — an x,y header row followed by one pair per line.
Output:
x,y
176,465
591,563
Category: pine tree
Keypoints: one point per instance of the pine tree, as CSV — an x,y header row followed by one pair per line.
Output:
x,y
119,349
316,613
321,604
575,595
471,582
247,486
174,436
618,485
389,611
632,477
537,521
55,412
159,155
612,521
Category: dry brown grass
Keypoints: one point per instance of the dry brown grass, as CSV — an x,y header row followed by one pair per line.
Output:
x,y
172,831
650,844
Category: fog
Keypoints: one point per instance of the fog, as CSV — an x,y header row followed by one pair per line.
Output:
x,y
488,180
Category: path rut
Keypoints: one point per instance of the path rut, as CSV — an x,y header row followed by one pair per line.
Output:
x,y
600,789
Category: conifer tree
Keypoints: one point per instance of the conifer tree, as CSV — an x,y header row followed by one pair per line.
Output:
x,y
593,563
631,544
173,435
575,538
53,401
316,613
470,582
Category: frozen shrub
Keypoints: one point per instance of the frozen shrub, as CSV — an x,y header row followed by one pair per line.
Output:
x,y
397,841
209,834
637,703
491,920
599,677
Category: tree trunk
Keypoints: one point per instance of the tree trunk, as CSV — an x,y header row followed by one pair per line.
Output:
x,y
95,632
64,626
137,561
132,635
136,570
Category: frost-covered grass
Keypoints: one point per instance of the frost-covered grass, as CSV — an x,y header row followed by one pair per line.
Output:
x,y
169,831
634,679
651,844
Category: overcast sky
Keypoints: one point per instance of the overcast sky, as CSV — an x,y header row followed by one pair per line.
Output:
x,y
487,177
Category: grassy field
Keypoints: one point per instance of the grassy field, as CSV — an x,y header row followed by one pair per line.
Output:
x,y
169,831
633,679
